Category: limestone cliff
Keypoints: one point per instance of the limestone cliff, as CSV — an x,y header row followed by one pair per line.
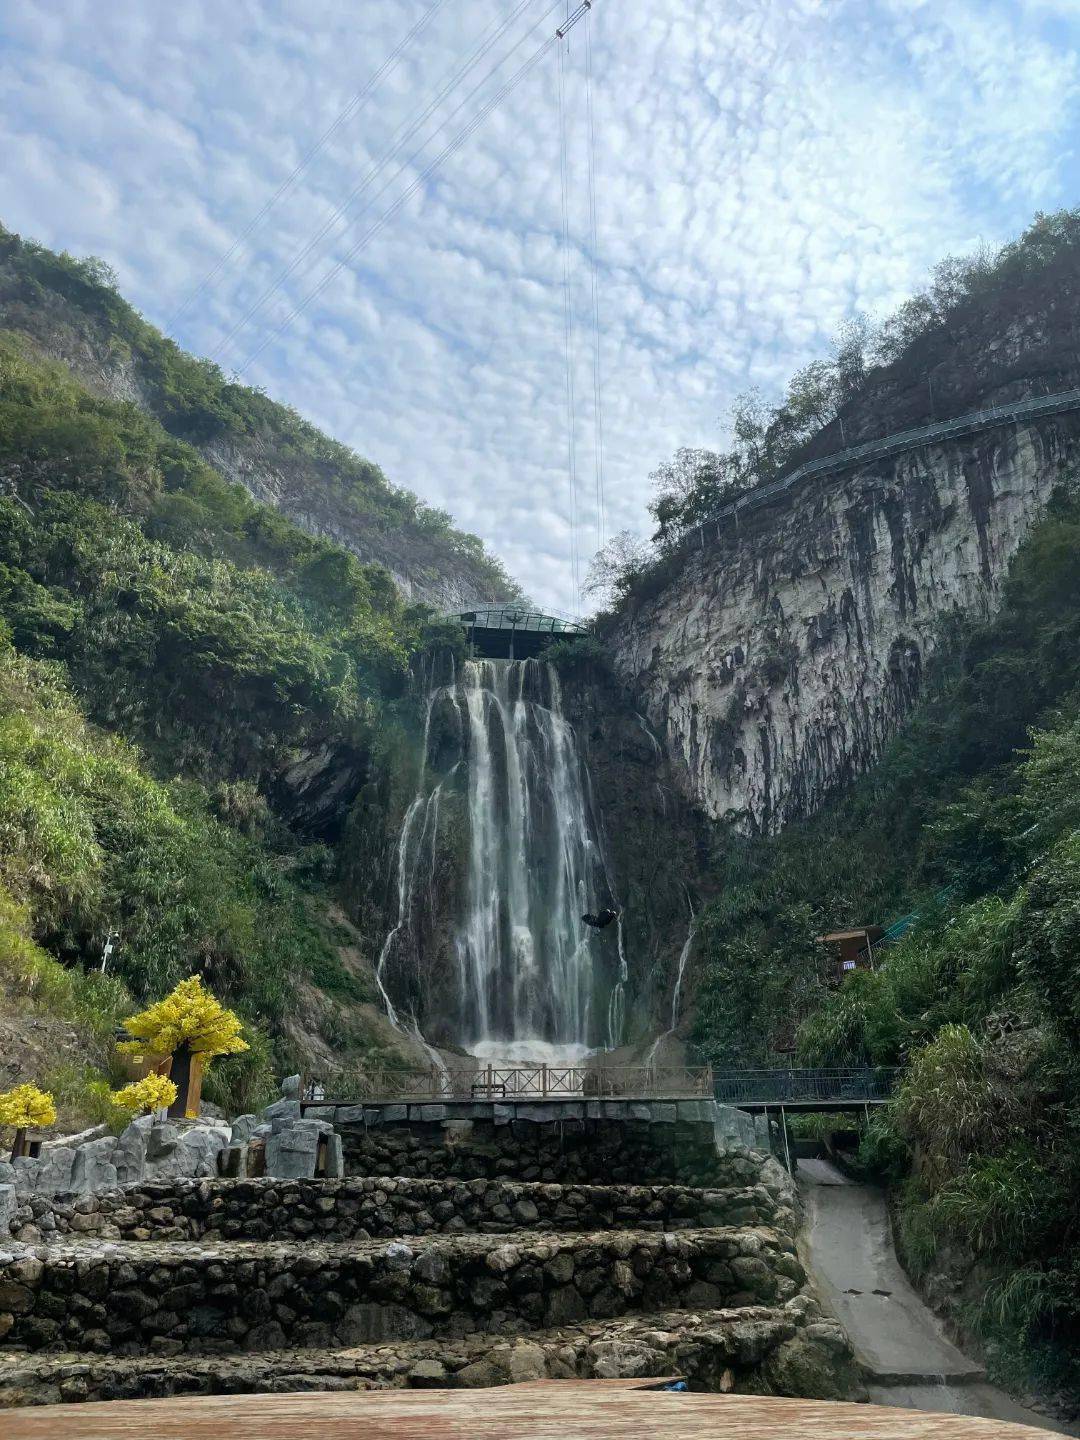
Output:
x,y
776,660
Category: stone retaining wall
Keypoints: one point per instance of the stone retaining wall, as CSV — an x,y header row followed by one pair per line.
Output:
x,y
784,1350
372,1208
591,1142
168,1297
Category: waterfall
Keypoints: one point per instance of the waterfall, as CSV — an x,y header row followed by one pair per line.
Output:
x,y
526,962
617,1003
676,994
528,971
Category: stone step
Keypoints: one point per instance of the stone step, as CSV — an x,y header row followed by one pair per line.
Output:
x,y
131,1297
375,1207
756,1348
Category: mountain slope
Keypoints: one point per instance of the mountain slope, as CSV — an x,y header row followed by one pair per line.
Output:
x,y
72,312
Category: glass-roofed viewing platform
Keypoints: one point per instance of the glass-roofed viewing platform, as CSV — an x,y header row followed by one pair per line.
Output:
x,y
512,632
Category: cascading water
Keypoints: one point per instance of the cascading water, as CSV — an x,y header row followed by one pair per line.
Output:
x,y
529,974
676,994
526,961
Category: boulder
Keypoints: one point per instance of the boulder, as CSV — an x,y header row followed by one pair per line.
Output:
x,y
94,1167
243,1127
161,1142
130,1154
8,1205
335,1158
291,1154
232,1161
194,1153
49,1174
290,1087
281,1114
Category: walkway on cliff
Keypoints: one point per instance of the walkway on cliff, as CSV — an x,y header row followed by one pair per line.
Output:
x,y
906,1357
885,447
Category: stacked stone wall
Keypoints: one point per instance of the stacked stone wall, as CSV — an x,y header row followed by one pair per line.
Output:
x,y
567,1150
382,1207
221,1297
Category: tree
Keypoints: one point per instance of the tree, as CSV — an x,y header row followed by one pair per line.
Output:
x,y
142,1097
189,1016
613,570
188,1023
26,1107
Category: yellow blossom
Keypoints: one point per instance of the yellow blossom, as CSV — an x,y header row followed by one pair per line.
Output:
x,y
152,1092
189,1016
27,1107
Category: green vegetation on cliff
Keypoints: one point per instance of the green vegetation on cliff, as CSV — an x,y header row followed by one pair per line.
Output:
x,y
970,823
71,307
192,691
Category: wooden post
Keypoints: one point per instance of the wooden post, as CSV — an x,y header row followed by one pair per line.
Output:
x,y
543,1079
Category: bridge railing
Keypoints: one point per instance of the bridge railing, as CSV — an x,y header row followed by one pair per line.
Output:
x,y
507,1082
780,1086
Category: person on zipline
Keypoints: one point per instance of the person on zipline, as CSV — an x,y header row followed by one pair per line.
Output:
x,y
598,922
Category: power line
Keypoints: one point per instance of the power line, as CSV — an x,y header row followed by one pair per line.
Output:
x,y
355,104
568,331
450,149
401,137
598,411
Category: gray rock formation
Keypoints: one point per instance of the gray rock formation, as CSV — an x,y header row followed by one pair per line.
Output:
x,y
780,657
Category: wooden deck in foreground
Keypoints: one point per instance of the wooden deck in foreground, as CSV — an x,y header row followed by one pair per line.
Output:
x,y
540,1410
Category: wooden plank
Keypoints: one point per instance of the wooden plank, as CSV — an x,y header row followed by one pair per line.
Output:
x,y
544,1410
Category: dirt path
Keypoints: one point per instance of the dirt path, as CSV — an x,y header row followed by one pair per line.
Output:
x,y
906,1357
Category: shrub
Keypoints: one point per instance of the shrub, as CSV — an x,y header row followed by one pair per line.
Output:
x,y
141,1097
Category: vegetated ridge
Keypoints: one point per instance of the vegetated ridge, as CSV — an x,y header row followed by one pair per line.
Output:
x,y
203,713
72,312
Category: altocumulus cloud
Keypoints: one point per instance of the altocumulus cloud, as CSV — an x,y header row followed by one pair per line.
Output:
x,y
764,168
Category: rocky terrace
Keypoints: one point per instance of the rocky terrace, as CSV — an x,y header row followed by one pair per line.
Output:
x,y
211,1286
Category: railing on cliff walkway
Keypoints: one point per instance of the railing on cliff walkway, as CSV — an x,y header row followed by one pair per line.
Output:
x,y
508,1082
838,1087
882,448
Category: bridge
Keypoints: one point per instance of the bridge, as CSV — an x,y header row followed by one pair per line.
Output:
x,y
512,632
885,447
781,1089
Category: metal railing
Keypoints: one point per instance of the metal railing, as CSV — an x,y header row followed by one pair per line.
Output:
x,y
894,444
508,1082
516,617
782,1086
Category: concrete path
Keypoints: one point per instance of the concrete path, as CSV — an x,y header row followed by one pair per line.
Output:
x,y
906,1357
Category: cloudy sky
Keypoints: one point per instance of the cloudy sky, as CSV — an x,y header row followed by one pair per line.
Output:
x,y
763,169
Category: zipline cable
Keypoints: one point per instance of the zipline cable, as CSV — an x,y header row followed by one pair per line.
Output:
x,y
401,138
358,101
568,331
450,149
598,410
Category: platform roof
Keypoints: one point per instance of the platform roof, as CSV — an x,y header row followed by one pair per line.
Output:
x,y
516,617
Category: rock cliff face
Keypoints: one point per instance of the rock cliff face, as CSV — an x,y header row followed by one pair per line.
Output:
x,y
777,661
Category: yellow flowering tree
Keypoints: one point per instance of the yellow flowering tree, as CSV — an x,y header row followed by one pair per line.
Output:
x,y
152,1092
26,1108
189,1022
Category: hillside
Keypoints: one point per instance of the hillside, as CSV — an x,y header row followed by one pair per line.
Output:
x,y
71,311
194,695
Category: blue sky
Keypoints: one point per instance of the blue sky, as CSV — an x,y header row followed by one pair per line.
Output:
x,y
764,169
